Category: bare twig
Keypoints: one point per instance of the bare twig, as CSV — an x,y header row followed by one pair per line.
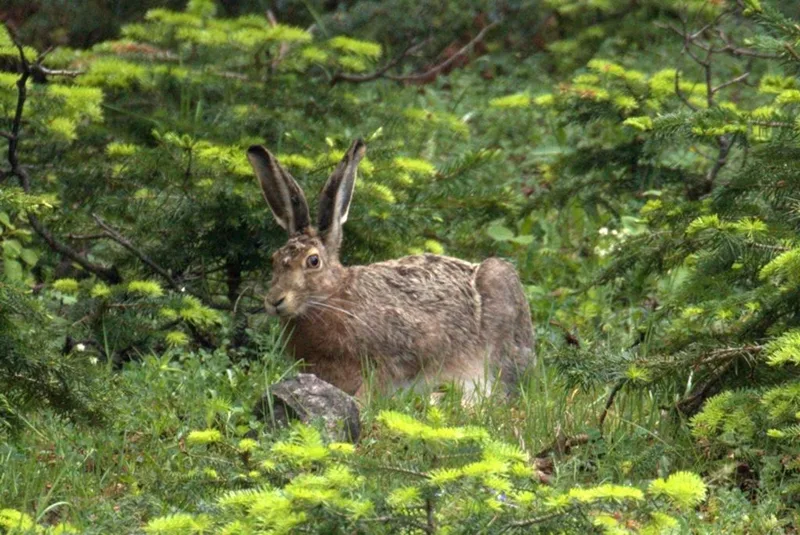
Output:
x,y
434,71
740,78
430,519
680,93
361,78
563,444
87,237
58,72
535,520
610,401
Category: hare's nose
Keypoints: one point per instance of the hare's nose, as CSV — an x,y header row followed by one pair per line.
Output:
x,y
278,302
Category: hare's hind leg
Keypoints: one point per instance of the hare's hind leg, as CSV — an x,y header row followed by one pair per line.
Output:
x,y
472,374
506,328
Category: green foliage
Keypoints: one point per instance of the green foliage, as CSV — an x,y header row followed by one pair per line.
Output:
x,y
33,372
454,479
648,201
708,165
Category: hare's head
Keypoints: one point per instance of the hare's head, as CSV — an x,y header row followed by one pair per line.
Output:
x,y
306,270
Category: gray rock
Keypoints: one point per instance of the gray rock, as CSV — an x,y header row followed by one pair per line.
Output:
x,y
310,399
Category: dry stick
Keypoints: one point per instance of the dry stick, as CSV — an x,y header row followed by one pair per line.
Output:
x,y
107,274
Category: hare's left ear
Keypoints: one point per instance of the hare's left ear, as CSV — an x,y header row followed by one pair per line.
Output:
x,y
336,195
283,194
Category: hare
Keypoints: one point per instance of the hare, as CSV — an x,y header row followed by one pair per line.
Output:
x,y
418,319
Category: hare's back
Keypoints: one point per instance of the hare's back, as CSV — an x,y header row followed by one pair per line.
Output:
x,y
428,287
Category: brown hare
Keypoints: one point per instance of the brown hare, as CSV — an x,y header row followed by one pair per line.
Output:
x,y
420,319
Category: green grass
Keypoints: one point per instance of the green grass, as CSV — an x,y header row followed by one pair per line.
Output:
x,y
114,478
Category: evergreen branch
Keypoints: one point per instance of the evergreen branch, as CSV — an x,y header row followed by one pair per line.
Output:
x,y
728,356
725,145
792,52
730,47
772,124
735,50
107,274
110,275
114,235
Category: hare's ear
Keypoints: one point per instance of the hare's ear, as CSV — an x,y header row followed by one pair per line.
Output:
x,y
284,196
334,200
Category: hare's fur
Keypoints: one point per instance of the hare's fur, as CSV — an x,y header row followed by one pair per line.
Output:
x,y
423,319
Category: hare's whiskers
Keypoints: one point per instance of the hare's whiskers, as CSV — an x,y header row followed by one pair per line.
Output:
x,y
338,309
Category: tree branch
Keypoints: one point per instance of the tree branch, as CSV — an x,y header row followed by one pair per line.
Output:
x,y
732,81
536,520
434,71
114,235
110,275
610,401
680,93
362,78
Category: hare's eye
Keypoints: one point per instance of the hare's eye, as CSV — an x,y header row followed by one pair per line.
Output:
x,y
312,261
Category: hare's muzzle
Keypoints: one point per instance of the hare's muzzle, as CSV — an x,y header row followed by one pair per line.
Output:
x,y
276,306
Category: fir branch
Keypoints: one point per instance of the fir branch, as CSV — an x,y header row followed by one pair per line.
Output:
x,y
114,235
107,274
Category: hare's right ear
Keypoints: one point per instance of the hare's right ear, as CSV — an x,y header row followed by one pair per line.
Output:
x,y
334,200
284,196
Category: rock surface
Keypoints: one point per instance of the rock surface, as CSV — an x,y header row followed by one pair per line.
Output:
x,y
308,399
